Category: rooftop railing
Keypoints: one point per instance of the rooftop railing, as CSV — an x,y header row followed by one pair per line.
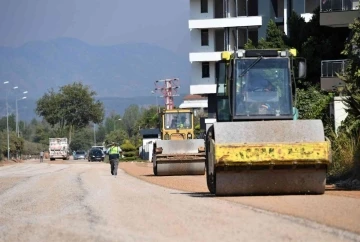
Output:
x,y
329,68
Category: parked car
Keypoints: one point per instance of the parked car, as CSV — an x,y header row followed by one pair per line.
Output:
x,y
96,155
80,155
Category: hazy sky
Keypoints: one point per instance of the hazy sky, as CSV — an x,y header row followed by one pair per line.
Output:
x,y
103,22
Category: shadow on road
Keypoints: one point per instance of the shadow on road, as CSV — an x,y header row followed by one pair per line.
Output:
x,y
207,195
340,188
195,194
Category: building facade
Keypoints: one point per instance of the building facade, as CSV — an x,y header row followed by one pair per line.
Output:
x,y
336,14
221,25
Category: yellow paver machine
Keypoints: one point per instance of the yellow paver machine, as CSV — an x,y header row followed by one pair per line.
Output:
x,y
257,145
178,152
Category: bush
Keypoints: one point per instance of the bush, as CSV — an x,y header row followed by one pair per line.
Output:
x,y
16,144
345,154
129,151
130,154
312,103
31,148
127,147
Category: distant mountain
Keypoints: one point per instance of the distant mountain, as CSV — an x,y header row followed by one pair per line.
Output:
x,y
124,70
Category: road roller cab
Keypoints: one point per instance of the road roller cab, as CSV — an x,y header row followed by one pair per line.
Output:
x,y
257,145
177,124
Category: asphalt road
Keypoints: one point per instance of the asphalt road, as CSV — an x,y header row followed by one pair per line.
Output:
x,y
81,201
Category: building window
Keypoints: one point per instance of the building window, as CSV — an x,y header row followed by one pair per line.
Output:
x,y
204,6
253,35
204,37
205,69
275,7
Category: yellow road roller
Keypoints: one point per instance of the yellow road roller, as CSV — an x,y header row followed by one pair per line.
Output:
x,y
257,146
178,152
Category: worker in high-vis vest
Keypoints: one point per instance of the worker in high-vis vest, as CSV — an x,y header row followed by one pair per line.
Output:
x,y
114,154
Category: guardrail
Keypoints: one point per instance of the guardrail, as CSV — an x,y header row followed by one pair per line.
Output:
x,y
329,68
338,5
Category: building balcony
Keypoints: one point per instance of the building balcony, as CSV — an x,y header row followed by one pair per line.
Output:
x,y
204,56
217,23
203,89
329,68
338,13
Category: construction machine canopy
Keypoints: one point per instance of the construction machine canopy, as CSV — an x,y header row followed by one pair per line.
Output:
x,y
263,90
178,119
257,86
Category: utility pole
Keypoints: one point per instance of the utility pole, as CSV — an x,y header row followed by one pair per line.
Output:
x,y
168,88
17,114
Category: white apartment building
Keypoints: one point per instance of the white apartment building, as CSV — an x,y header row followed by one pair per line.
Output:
x,y
219,25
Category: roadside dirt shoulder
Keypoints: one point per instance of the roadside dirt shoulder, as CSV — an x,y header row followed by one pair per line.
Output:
x,y
9,162
336,208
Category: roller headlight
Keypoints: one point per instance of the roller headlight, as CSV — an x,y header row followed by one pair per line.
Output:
x,y
189,136
166,136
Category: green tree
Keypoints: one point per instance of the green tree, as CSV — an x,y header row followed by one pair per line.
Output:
x,y
42,134
83,139
275,38
113,122
74,106
130,118
100,134
298,33
351,77
313,103
31,148
149,118
12,123
347,143
16,144
117,136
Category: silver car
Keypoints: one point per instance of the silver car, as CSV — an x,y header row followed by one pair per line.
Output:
x,y
80,155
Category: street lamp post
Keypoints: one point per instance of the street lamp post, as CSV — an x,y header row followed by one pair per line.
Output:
x,y
17,115
7,123
16,87
17,112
